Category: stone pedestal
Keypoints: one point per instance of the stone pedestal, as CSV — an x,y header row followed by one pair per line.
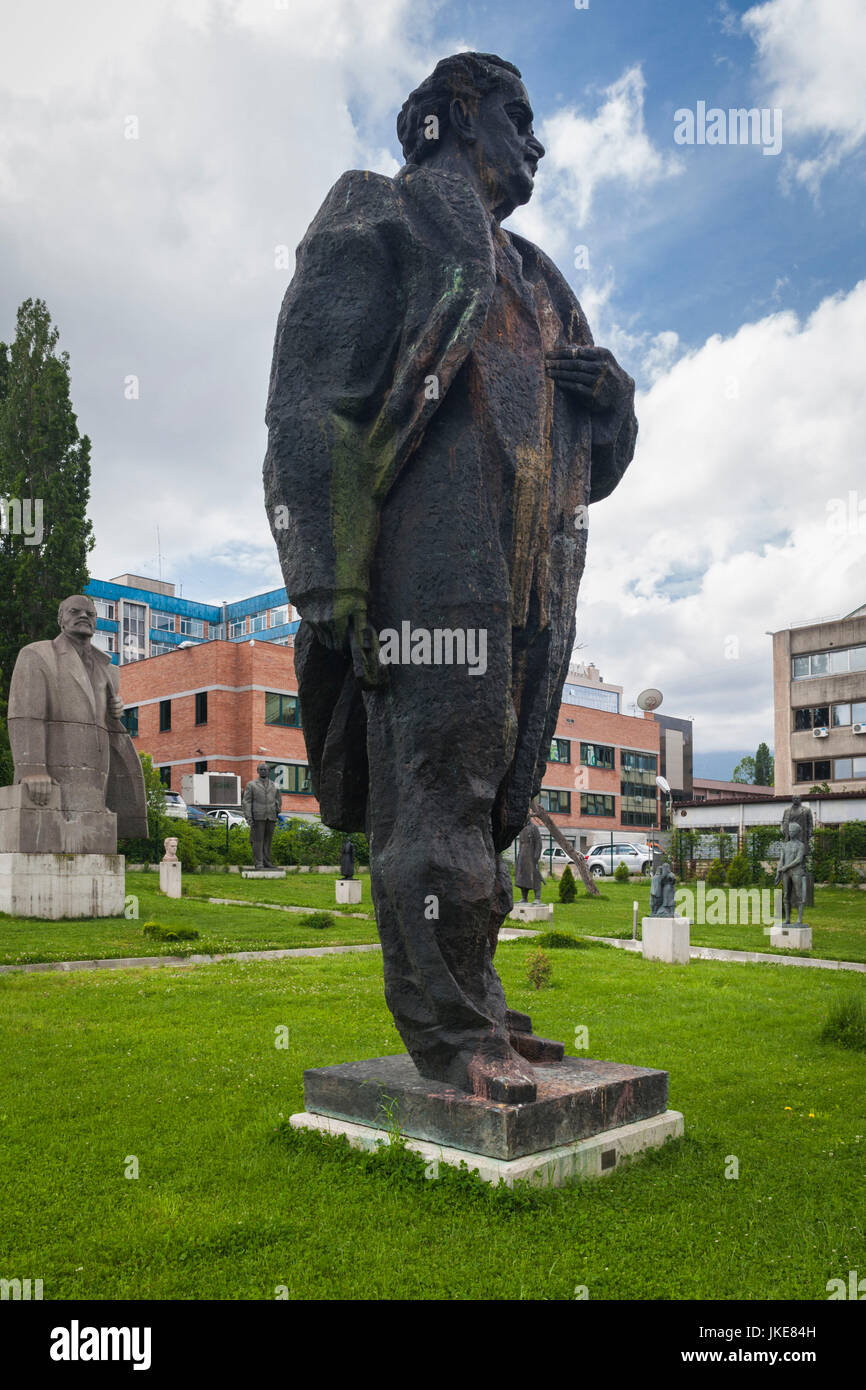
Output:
x,y
666,938
170,879
29,829
531,912
263,873
348,890
792,938
52,886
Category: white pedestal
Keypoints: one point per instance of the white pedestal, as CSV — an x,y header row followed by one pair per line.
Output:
x,y
263,873
169,879
52,886
348,890
531,912
666,938
791,938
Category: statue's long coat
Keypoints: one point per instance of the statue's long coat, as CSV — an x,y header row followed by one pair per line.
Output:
x,y
393,283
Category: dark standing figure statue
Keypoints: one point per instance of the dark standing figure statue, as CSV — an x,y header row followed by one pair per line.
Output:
x,y
261,806
663,889
791,873
347,859
439,421
527,874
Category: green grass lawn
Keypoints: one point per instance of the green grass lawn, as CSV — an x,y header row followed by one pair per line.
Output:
x,y
838,920
179,1070
221,928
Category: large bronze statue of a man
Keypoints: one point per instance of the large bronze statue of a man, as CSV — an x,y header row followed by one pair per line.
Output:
x,y
439,420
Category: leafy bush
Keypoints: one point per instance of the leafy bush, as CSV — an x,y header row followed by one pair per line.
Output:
x,y
567,886
846,1022
620,873
318,920
157,932
539,970
739,872
559,941
716,874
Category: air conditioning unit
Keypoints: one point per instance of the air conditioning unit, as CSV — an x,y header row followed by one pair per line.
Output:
x,y
859,728
820,733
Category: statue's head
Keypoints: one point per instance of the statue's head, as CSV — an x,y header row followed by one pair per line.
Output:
x,y
170,847
793,831
795,802
263,770
474,106
76,616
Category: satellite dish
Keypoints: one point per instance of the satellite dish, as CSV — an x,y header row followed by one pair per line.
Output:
x,y
649,699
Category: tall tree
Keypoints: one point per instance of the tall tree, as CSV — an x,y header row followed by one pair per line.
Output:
x,y
764,766
45,536
745,770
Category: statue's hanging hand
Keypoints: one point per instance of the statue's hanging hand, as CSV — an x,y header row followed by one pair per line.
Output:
x,y
593,375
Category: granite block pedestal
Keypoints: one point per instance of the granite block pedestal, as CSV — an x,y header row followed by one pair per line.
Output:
x,y
791,937
586,1114
531,912
170,878
665,938
263,873
52,886
348,890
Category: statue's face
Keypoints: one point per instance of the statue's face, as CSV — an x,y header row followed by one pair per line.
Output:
x,y
506,151
795,803
171,845
263,771
78,616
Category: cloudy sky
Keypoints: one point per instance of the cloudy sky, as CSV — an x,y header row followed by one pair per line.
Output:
x,y
156,159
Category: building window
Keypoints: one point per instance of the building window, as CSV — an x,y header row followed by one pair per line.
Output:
x,y
238,628
279,616
560,751
832,663
282,709
596,755
201,707
162,648
818,771
165,776
637,788
843,768
639,762
292,777
192,627
134,631
129,720
105,641
555,801
258,622
813,717
162,622
104,609
164,716
858,712
841,716
201,767
594,805
217,632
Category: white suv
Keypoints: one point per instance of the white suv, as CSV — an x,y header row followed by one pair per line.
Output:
x,y
602,860
175,806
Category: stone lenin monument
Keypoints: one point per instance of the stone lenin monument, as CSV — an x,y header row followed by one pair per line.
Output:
x,y
78,780
439,421
261,806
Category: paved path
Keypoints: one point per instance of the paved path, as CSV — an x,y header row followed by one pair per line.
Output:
x,y
626,943
151,962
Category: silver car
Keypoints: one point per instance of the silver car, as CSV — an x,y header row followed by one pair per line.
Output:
x,y
602,860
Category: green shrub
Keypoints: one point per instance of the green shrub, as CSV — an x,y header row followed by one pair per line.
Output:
x,y
567,886
318,920
620,873
846,1022
539,969
716,874
739,872
559,941
157,932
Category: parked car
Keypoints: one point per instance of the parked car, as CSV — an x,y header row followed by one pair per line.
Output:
x,y
602,860
196,816
224,816
175,806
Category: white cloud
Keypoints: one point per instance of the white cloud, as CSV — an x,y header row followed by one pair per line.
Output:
x,y
812,56
720,530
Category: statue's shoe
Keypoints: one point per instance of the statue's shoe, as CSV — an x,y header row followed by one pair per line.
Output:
x,y
508,1080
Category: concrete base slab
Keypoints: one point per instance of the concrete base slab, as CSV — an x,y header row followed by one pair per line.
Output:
x,y
51,886
666,938
791,938
531,912
576,1098
51,829
348,890
170,879
263,873
556,1167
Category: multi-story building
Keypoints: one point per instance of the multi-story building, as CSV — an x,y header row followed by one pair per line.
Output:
x,y
819,682
138,618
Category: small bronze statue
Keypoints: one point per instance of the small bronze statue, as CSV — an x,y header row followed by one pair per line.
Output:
x,y
663,891
347,859
791,873
261,806
527,874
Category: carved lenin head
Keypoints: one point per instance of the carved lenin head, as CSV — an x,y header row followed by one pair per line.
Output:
x,y
473,110
76,617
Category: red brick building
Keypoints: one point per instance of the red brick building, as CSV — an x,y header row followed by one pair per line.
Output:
x,y
227,706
